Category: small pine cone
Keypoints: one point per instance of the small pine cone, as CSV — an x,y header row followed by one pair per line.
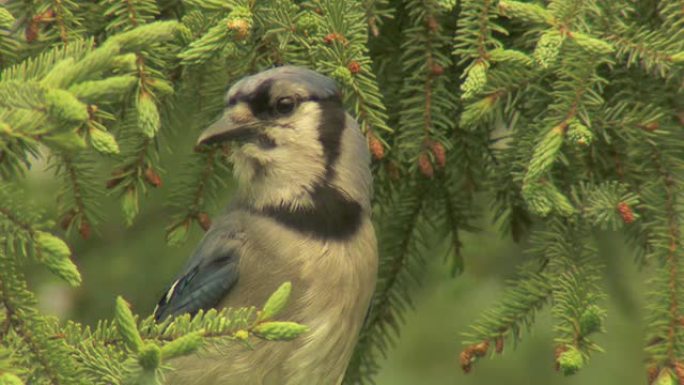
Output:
x,y
114,182
204,221
679,372
466,359
329,38
652,374
67,218
432,23
376,147
32,30
439,152
354,67
499,345
436,69
425,165
46,16
650,126
560,349
84,229
117,177
479,350
625,212
152,177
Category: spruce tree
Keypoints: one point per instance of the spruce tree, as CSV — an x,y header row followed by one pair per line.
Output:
x,y
561,116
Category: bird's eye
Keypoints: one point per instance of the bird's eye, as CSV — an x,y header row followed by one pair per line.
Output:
x,y
285,105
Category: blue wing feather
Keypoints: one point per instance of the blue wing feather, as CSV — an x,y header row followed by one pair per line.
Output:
x,y
211,273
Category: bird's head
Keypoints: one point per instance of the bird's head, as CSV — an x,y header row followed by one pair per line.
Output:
x,y
292,136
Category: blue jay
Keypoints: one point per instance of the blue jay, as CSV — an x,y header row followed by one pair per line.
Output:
x,y
301,214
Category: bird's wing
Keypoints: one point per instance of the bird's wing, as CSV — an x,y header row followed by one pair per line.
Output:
x,y
211,273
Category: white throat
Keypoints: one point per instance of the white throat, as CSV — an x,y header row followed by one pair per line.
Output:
x,y
284,175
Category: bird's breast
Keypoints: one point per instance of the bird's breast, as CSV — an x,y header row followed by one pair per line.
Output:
x,y
332,282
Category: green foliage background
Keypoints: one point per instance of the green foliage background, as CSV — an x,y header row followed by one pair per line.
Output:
x,y
556,124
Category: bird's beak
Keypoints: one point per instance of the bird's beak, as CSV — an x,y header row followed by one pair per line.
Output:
x,y
225,129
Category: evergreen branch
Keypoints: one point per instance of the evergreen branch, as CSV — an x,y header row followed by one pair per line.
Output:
x,y
135,169
49,354
58,9
502,83
287,31
143,126
454,224
37,67
206,173
672,261
458,185
370,110
574,96
653,50
672,12
423,124
81,211
528,294
132,14
16,221
126,348
129,14
19,326
9,46
18,224
568,12
572,259
190,196
577,317
532,13
75,186
22,236
428,87
376,11
606,205
225,37
474,39
345,58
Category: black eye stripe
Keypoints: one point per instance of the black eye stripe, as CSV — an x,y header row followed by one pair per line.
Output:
x,y
261,103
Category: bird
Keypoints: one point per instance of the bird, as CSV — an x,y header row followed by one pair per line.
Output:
x,y
301,213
